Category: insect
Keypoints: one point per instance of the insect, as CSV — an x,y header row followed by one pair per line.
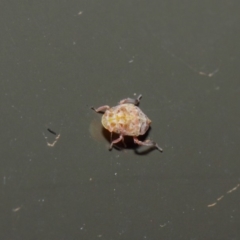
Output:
x,y
126,119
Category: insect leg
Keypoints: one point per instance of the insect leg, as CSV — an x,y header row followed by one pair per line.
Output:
x,y
116,141
132,101
101,109
148,143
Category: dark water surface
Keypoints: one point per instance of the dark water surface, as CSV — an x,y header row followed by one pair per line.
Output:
x,y
59,58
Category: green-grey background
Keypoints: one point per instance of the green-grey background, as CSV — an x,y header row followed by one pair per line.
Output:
x,y
59,58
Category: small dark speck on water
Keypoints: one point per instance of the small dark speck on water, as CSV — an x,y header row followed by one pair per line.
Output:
x,y
51,131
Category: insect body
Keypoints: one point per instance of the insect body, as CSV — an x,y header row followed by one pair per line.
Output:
x,y
126,119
